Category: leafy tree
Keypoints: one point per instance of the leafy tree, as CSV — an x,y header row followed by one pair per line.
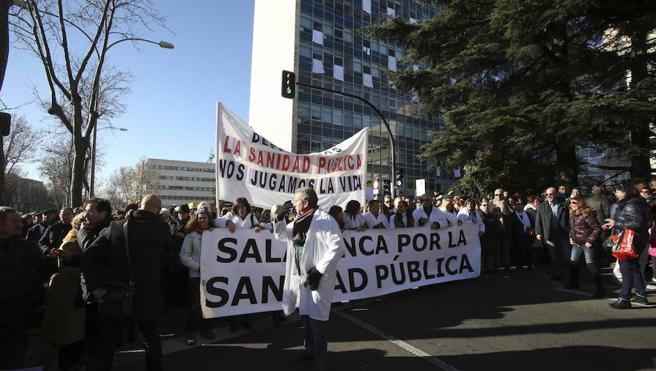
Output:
x,y
519,86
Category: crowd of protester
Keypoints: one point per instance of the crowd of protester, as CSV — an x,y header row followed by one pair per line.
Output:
x,y
56,266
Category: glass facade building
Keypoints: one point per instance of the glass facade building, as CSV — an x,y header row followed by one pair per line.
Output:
x,y
331,50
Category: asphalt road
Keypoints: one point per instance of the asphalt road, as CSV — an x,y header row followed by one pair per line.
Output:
x,y
516,322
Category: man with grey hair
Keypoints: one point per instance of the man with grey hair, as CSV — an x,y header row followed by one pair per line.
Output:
x,y
106,261
314,247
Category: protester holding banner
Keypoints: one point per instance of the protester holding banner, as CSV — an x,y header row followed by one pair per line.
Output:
x,y
402,218
429,216
190,258
468,214
353,218
374,218
314,247
242,214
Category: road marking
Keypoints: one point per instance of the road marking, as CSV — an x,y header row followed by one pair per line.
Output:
x,y
400,343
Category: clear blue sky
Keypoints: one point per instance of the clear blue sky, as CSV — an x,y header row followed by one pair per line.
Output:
x,y
171,109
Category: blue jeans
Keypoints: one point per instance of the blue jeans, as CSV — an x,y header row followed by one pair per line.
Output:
x,y
587,252
559,249
631,277
316,340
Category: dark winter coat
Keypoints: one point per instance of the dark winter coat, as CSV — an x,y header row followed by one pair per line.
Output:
x,y
601,205
21,284
634,214
522,240
543,221
106,261
491,239
53,236
584,227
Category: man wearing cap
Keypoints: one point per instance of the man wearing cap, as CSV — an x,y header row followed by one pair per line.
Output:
x,y
428,215
35,233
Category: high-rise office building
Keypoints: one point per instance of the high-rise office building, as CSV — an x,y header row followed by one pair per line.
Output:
x,y
325,44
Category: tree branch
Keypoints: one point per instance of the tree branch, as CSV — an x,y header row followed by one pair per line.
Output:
x,y
94,43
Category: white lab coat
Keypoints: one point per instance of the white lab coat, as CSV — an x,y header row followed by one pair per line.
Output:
x,y
353,222
467,217
324,247
451,217
436,215
373,221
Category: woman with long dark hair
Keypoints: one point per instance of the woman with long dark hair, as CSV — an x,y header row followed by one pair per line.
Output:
x,y
632,214
402,218
353,218
242,214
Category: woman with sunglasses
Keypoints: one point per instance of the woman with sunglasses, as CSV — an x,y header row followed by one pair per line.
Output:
x,y
584,231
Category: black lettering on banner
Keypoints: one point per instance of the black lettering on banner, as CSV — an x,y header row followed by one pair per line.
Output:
x,y
450,271
419,242
281,185
240,172
212,289
414,274
226,168
461,239
382,273
382,245
340,284
311,183
326,186
363,251
268,285
435,241
223,248
403,240
268,254
465,264
439,262
244,290
350,246
401,274
363,278
272,181
251,251
426,274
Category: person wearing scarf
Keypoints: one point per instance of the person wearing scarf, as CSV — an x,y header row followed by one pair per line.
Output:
x,y
315,246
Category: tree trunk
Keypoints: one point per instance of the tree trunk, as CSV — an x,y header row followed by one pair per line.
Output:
x,y
640,165
567,164
77,176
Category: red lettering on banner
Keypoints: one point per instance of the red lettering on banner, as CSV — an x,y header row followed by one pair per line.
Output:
x,y
306,164
226,145
237,150
359,161
322,165
260,160
350,162
286,161
251,156
297,165
271,160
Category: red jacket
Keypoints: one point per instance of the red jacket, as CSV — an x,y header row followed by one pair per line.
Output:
x,y
584,227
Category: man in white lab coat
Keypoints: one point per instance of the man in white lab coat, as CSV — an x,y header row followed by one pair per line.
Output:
x,y
429,216
314,247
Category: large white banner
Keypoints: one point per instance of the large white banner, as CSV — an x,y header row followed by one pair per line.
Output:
x,y
243,272
250,166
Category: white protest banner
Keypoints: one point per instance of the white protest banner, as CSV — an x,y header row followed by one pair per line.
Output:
x,y
250,166
244,272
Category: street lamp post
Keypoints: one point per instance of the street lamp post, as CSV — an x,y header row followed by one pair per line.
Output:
x,y
383,119
162,44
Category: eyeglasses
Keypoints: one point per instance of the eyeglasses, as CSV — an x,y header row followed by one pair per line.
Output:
x,y
497,194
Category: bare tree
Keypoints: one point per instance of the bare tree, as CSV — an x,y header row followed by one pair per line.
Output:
x,y
56,167
130,184
83,88
20,146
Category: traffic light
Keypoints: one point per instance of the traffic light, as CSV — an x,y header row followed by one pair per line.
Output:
x,y
288,84
399,177
386,187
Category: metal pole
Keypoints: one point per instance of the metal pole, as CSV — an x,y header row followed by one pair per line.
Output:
x,y
93,163
389,131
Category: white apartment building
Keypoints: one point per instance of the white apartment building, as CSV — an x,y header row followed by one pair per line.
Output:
x,y
182,182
